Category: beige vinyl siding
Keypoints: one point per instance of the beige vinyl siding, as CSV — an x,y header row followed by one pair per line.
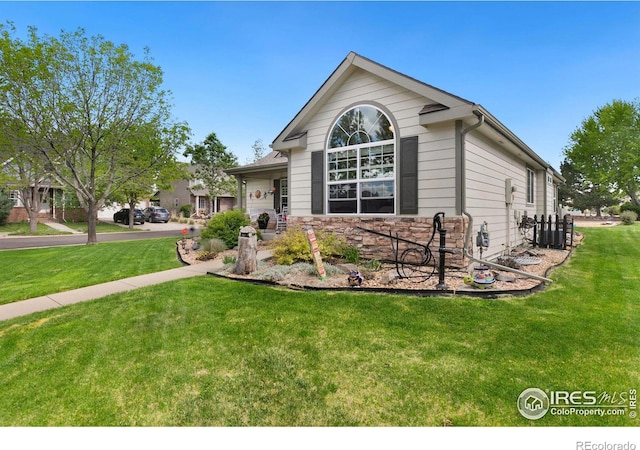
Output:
x,y
487,168
300,183
263,185
436,170
436,160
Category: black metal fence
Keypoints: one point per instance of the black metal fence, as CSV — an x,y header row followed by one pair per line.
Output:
x,y
548,233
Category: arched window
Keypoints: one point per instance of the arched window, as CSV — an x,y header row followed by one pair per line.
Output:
x,y
361,160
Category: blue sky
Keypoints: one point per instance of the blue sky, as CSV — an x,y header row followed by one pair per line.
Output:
x,y
244,69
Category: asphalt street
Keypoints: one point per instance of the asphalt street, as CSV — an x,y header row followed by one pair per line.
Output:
x,y
148,231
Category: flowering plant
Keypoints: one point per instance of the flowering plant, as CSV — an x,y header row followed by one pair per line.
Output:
x,y
264,216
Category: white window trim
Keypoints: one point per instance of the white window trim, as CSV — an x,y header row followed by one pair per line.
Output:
x,y
358,180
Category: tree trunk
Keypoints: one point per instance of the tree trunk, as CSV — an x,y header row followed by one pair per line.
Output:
x,y
33,220
247,261
92,214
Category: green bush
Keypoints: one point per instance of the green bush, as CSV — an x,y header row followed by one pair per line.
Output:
x,y
630,207
293,246
628,217
5,207
185,210
226,227
227,259
351,254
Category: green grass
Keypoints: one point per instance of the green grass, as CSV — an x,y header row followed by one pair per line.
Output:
x,y
22,229
206,351
31,273
101,227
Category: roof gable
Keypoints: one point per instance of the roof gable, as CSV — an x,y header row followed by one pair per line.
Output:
x,y
444,105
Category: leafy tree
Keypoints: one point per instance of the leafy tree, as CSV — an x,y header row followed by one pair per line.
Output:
x,y
259,150
605,150
5,207
24,170
580,194
210,159
82,100
156,163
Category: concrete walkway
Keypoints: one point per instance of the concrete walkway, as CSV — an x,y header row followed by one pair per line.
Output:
x,y
24,307
62,227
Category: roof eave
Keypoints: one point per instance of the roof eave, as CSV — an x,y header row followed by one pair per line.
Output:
x,y
242,170
460,112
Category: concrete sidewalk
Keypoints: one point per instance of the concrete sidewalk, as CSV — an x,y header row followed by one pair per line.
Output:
x,y
24,307
61,227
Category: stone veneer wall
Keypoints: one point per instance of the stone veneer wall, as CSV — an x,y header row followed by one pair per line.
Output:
x,y
372,246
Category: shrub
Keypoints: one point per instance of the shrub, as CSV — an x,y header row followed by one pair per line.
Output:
x,y
630,207
628,217
213,245
205,256
293,246
373,265
5,207
226,227
351,254
185,210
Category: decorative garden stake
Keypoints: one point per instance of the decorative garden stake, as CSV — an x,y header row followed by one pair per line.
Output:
x,y
315,250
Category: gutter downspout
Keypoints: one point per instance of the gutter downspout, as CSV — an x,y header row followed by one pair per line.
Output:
x,y
467,238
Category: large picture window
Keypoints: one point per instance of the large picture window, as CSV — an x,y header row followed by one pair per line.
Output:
x,y
361,160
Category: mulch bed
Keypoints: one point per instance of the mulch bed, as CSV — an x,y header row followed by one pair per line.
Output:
x,y
385,279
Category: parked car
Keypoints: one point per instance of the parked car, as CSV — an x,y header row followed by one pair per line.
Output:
x,y
123,216
157,214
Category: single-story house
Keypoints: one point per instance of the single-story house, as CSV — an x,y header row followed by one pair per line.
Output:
x,y
193,193
377,149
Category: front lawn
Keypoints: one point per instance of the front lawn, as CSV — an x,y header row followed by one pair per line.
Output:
x,y
31,273
212,352
101,227
22,229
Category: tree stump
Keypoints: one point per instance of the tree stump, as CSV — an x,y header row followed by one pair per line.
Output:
x,y
247,260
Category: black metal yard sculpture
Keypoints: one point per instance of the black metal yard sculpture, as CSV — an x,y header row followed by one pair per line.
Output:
x,y
416,262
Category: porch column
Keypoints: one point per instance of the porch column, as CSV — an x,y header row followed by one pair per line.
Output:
x,y
239,202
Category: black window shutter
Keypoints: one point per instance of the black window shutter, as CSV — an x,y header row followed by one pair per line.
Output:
x,y
409,175
317,182
276,196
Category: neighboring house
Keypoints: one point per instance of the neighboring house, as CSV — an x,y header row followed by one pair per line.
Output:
x,y
264,183
192,192
54,208
377,149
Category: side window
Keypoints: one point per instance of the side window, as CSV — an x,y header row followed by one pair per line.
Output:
x,y
530,186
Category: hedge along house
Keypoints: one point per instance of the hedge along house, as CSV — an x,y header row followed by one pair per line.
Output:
x,y
376,149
